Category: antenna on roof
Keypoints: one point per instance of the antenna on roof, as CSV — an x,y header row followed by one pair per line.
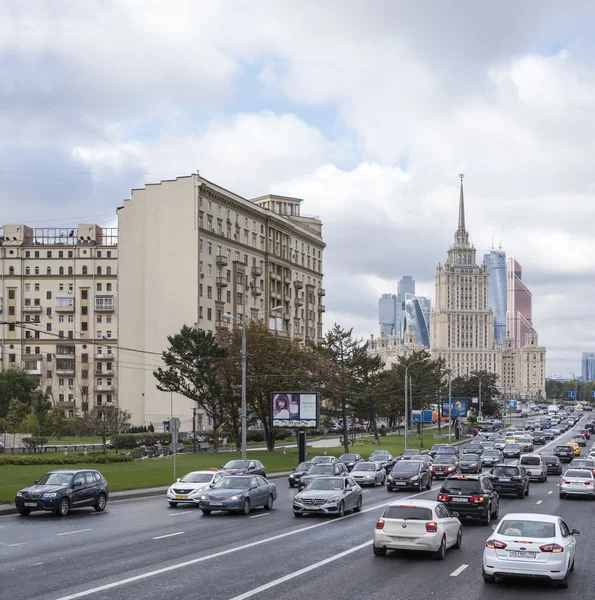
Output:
x,y
492,241
501,237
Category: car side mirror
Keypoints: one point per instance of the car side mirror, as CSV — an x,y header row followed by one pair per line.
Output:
x,y
78,483
36,481
494,527
455,514
253,487
178,479
211,485
575,532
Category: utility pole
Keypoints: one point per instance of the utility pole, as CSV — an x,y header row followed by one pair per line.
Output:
x,y
194,429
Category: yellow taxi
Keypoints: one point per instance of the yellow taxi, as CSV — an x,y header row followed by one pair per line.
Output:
x,y
575,447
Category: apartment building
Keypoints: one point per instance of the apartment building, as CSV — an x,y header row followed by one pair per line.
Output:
x,y
192,252
58,304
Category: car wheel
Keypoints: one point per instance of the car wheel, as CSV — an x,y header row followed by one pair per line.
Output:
x,y
292,485
297,514
389,489
441,552
341,512
24,511
206,512
527,490
101,503
269,503
496,513
563,583
63,507
429,486
562,496
485,520
358,506
459,541
173,504
246,507
572,566
487,578
379,551
420,487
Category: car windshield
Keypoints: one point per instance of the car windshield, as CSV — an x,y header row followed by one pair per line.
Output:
x,y
197,478
348,457
304,466
491,453
469,458
461,485
326,484
444,460
532,529
505,471
232,483
322,459
563,448
437,446
414,513
406,467
530,460
512,446
447,450
237,464
322,470
365,467
56,479
587,464
412,453
550,459
579,473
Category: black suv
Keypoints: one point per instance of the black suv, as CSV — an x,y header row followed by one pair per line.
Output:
x,y
60,491
472,496
409,474
322,470
564,453
299,472
349,460
510,479
538,437
553,465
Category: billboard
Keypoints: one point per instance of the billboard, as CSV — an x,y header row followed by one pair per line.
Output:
x,y
459,407
295,410
416,416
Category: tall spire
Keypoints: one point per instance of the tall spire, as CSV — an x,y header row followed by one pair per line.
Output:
x,y
462,206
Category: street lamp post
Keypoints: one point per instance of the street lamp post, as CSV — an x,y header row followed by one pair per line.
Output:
x,y
406,404
244,410
449,373
479,413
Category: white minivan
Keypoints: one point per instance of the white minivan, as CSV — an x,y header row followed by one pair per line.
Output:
x,y
535,466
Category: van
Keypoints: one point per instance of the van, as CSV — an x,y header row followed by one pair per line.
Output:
x,y
535,466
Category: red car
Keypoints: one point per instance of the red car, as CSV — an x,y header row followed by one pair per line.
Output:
x,y
445,465
586,433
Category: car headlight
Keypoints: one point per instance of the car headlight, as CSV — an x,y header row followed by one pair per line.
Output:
x,y
369,476
50,495
292,476
19,493
298,499
203,497
415,478
390,477
195,492
333,499
236,497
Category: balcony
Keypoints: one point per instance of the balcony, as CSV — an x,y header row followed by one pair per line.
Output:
x,y
321,308
104,388
32,309
64,308
65,404
298,302
103,306
33,367
256,271
286,316
222,261
101,356
287,279
65,371
275,277
298,284
1,304
221,282
256,291
104,372
276,295
321,292
298,335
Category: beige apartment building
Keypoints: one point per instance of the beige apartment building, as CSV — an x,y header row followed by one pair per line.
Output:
x,y
192,252
58,304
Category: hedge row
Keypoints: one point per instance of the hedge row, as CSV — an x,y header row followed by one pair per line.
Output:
x,y
130,441
52,459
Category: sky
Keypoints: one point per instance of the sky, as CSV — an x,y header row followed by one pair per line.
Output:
x,y
366,110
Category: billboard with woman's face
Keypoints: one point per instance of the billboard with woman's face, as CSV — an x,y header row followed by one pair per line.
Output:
x,y
296,410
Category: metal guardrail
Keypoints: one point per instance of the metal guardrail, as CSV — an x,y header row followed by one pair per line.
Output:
x,y
53,448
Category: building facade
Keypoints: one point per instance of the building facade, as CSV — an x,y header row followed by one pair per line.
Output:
x,y
588,366
392,348
519,316
192,252
59,301
417,311
387,314
405,285
495,262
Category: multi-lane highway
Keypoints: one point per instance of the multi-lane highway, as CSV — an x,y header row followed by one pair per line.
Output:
x,y
143,549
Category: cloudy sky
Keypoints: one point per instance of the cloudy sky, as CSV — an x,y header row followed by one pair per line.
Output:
x,y
367,110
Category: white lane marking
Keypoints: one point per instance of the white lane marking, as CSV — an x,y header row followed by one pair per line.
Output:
x,y
160,537
37,564
72,532
557,485
182,514
458,571
194,561
539,502
13,545
551,492
276,582
258,516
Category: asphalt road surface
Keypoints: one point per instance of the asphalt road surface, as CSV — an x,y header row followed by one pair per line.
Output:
x,y
144,549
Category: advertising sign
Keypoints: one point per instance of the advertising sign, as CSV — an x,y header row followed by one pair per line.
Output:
x,y
571,394
513,404
459,407
295,410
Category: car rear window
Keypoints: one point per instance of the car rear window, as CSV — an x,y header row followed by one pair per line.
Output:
x,y
550,460
461,485
581,474
408,512
530,460
534,529
506,471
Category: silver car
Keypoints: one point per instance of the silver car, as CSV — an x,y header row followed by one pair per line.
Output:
x,y
329,496
369,473
577,482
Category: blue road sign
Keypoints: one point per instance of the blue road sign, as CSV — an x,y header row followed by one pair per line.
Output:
x,y
571,394
593,394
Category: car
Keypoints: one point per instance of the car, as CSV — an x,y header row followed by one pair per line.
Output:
x,y
322,470
535,466
583,463
530,545
61,490
592,451
512,450
419,525
526,443
564,453
487,445
470,496
590,427
189,489
239,493
491,457
577,482
299,472
538,437
581,440
553,465
383,456
470,463
434,449
556,430
409,454
500,444
329,496
549,434
409,474
575,447
244,467
369,473
447,450
349,460
510,479
426,459
445,465
323,459
473,448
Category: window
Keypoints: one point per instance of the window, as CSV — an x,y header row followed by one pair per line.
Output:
x,y
48,374
70,287
109,270
99,401
61,319
109,253
84,310
108,333
98,270
85,326
84,358
99,319
108,287
11,271
209,314
71,334
85,270
209,291
48,271
11,310
209,269
61,271
61,381
12,357
27,271
36,287
60,334
48,358
209,248
48,295
48,327
84,374
11,294
84,294
108,398
99,287
27,254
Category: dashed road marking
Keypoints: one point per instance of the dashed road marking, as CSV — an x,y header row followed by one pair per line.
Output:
x,y
258,516
73,532
160,537
458,571
539,502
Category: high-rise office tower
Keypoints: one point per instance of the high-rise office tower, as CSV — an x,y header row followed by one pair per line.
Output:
x,y
519,300
588,366
495,263
387,314
405,285
417,311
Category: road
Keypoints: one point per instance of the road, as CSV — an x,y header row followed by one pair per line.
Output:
x,y
144,549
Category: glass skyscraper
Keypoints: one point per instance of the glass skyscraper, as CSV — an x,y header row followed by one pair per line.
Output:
x,y
387,314
405,285
495,263
417,311
519,316
588,366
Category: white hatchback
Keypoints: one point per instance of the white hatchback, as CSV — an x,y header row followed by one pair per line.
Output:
x,y
417,525
189,488
530,545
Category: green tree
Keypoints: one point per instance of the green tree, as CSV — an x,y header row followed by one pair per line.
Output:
x,y
468,387
191,365
16,383
106,420
17,411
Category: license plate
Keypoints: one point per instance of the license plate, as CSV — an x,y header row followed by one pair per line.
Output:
x,y
181,497
459,499
400,483
522,553
401,539
30,503
216,504
504,479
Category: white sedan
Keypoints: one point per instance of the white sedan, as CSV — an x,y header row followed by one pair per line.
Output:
x,y
417,525
189,488
530,545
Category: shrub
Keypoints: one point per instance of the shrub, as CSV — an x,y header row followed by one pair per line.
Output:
x,y
60,459
130,441
383,430
32,443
